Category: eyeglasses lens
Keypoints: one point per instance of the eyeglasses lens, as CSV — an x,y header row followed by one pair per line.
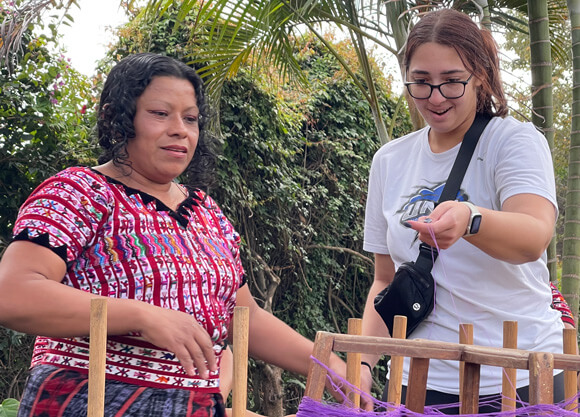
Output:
x,y
448,90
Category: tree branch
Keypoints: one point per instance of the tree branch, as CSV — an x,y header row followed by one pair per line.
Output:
x,y
347,250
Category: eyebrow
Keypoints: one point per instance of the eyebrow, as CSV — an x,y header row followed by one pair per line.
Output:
x,y
453,71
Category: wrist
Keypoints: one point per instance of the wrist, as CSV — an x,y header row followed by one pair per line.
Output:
x,y
474,220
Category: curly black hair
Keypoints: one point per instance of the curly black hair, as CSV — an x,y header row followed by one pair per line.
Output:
x,y
118,104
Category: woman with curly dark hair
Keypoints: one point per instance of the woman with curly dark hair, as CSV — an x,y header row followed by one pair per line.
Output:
x,y
163,254
118,106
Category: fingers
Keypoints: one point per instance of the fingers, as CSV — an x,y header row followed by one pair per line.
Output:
x,y
366,404
179,333
443,227
203,353
197,353
366,384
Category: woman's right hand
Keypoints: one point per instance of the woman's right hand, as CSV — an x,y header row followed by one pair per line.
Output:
x,y
181,334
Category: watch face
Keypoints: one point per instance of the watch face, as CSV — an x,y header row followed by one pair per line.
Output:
x,y
475,223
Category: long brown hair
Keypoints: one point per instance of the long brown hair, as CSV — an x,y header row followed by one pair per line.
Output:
x,y
476,48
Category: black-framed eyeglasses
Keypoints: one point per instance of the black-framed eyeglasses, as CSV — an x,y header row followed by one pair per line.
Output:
x,y
449,89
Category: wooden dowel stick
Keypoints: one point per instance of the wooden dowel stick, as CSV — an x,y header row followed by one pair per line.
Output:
x,y
396,377
508,390
465,338
239,390
570,377
353,362
97,357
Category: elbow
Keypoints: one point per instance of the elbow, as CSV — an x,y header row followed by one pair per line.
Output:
x,y
14,310
535,248
8,318
529,255
6,310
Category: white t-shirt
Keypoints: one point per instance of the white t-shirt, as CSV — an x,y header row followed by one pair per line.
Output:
x,y
471,287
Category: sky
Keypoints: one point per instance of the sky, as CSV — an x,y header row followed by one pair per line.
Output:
x,y
86,39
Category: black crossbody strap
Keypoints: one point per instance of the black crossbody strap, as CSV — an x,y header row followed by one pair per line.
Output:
x,y
464,157
428,254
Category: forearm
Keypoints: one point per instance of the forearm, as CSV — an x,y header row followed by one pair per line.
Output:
x,y
518,233
273,341
372,323
512,237
44,307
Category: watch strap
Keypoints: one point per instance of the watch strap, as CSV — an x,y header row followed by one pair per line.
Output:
x,y
474,219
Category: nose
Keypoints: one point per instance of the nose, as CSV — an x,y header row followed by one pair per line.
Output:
x,y
177,127
436,96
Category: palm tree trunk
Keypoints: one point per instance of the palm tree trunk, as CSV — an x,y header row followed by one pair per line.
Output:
x,y
358,42
542,107
485,14
397,14
571,251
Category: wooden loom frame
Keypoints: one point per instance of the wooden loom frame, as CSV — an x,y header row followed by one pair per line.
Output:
x,y
540,365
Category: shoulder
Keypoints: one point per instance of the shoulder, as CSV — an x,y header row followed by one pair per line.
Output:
x,y
76,184
506,138
402,145
509,128
81,178
202,199
206,206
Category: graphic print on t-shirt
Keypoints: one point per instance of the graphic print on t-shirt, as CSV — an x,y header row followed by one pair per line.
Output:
x,y
422,202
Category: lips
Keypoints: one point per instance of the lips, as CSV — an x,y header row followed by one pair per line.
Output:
x,y
441,112
179,149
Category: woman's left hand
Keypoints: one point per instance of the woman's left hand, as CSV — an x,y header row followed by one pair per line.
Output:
x,y
520,232
445,225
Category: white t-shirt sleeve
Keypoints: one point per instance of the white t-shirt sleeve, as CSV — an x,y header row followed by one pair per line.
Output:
x,y
375,231
524,165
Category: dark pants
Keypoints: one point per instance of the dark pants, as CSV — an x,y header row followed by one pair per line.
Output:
x,y
488,403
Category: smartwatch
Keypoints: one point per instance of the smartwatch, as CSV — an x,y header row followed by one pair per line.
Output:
x,y
474,219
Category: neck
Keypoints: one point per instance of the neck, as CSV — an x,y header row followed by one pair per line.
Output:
x,y
443,141
133,179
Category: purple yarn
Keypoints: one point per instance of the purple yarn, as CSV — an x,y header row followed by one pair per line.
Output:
x,y
310,408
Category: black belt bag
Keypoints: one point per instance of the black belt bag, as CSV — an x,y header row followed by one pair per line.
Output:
x,y
412,292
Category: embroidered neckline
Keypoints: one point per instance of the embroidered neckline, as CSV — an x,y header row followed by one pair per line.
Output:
x,y
180,215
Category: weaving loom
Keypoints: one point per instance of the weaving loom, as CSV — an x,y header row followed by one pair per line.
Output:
x,y
539,364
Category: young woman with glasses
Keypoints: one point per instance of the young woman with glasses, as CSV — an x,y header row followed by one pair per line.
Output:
x,y
493,237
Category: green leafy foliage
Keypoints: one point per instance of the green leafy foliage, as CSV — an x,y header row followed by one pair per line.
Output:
x,y
15,353
45,108
293,178
9,407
